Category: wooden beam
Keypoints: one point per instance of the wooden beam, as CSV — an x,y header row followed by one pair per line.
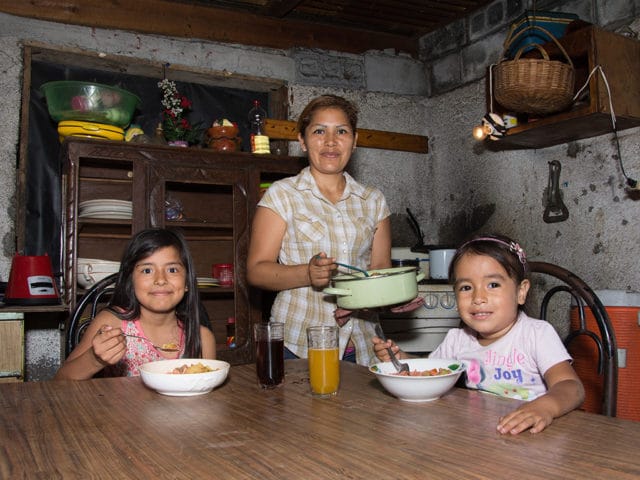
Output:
x,y
183,20
404,142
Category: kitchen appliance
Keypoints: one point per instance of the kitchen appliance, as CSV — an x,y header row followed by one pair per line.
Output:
x,y
423,329
31,281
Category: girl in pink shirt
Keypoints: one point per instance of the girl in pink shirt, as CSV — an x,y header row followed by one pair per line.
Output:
x,y
156,298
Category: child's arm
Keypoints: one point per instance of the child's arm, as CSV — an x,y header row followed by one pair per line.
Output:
x,y
565,393
102,344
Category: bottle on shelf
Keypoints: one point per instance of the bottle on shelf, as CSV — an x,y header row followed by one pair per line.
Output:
x,y
259,141
231,332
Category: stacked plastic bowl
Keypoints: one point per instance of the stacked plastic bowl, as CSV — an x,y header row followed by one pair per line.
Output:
x,y
88,109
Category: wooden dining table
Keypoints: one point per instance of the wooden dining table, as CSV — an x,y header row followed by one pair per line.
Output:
x,y
116,428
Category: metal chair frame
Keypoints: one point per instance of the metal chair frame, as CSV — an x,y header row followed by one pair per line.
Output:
x,y
79,323
606,344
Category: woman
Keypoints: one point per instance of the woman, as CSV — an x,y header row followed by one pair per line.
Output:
x,y
305,223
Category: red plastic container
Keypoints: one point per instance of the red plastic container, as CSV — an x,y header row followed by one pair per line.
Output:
x,y
624,311
224,273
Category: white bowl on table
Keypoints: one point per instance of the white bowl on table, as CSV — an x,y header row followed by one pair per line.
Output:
x,y
158,376
91,270
418,388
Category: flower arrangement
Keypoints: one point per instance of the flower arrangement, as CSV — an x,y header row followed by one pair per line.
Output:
x,y
175,125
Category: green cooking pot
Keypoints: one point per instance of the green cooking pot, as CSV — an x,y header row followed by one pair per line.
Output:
x,y
383,287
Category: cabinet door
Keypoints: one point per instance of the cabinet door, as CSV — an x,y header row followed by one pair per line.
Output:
x,y
209,205
98,231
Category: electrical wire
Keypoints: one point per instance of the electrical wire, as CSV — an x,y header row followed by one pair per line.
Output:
x,y
631,183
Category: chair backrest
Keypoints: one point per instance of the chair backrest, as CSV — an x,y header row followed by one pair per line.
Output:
x,y
86,309
604,339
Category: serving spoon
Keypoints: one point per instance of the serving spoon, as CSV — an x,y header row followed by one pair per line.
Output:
x,y
351,267
400,367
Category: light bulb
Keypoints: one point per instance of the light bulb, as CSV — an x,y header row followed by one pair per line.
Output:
x,y
479,132
492,127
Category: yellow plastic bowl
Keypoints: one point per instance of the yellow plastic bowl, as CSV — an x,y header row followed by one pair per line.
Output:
x,y
71,128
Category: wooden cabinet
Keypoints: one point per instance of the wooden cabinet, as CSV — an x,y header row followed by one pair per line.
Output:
x,y
217,193
590,116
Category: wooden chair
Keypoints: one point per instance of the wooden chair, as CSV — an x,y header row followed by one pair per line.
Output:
x,y
604,339
86,309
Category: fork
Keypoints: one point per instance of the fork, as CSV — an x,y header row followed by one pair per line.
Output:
x,y
400,367
162,349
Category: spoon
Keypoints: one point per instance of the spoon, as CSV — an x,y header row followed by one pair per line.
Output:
x,y
351,267
400,367
164,348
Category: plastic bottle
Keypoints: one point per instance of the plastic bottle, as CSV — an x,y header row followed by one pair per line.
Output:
x,y
231,332
259,141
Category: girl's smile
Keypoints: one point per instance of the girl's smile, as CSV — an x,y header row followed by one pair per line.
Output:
x,y
160,280
487,297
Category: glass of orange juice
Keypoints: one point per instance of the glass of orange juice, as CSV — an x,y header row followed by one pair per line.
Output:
x,y
324,364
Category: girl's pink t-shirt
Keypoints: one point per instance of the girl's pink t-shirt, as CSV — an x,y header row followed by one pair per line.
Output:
x,y
139,352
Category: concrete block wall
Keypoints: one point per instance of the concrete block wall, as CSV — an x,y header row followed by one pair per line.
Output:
x,y
461,52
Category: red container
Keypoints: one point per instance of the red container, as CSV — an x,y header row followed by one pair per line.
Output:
x,y
624,312
224,273
31,281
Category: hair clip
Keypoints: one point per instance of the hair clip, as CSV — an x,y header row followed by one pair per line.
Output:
x,y
514,247
518,250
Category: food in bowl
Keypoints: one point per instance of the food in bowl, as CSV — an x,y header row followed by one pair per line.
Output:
x,y
419,388
159,376
194,368
425,373
89,102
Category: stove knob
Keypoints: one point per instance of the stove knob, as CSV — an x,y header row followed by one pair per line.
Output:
x,y
430,301
448,301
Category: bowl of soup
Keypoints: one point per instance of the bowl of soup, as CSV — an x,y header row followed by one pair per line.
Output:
x,y
428,379
184,377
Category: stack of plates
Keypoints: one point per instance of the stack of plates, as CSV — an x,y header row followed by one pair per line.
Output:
x,y
106,208
207,282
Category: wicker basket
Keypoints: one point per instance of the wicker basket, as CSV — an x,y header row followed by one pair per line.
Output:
x,y
534,86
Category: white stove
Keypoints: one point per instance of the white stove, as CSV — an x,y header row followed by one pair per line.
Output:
x,y
422,330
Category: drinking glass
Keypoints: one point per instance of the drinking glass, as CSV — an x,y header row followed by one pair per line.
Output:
x,y
324,362
269,338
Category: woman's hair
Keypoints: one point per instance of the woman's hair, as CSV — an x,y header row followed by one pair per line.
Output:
x,y
503,250
327,101
124,302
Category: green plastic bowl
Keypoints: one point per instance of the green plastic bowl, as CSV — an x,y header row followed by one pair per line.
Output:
x,y
89,102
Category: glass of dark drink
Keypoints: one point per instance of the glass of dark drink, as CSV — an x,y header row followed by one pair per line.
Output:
x,y
269,338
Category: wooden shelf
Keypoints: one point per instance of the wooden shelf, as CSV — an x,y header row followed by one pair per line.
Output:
x,y
588,47
286,130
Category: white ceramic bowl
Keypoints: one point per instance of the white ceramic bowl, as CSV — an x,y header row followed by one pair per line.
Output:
x,y
418,388
92,270
156,376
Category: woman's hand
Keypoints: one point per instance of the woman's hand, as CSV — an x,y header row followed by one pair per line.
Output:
x,y
410,306
109,345
321,270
